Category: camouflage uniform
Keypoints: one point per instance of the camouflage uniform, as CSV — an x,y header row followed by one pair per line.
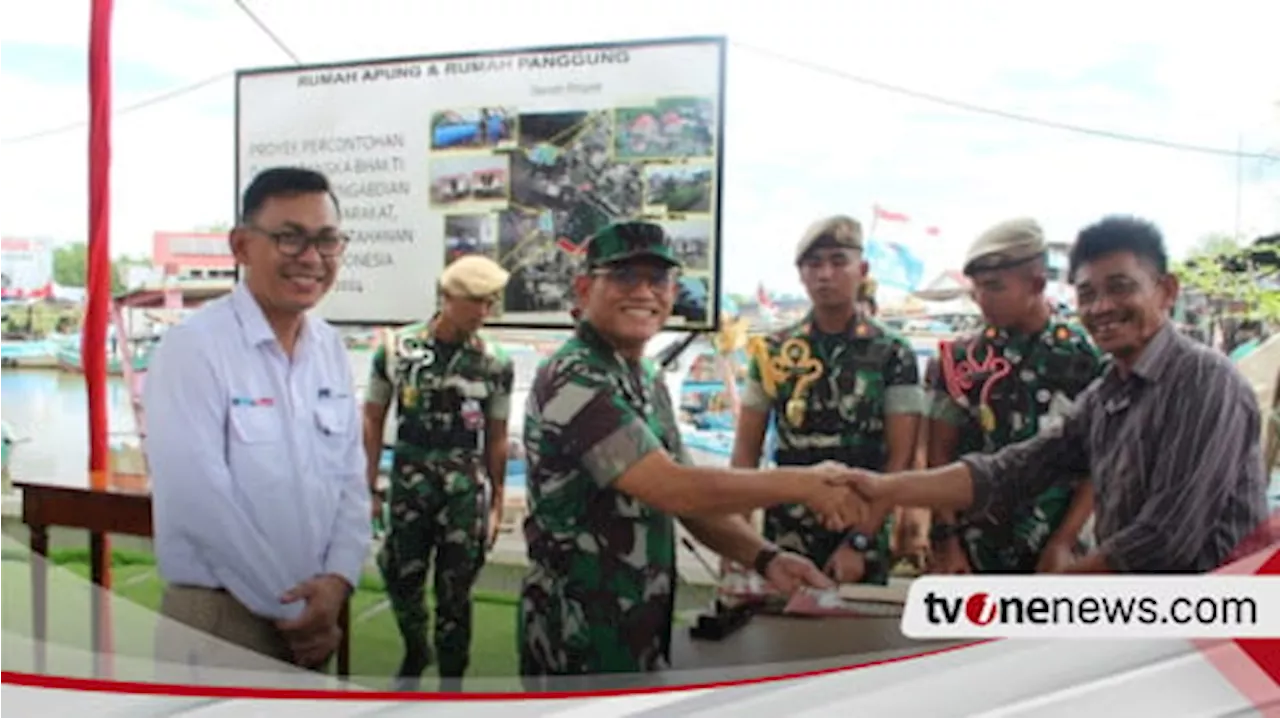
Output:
x,y
439,498
600,591
861,376
1001,387
1043,374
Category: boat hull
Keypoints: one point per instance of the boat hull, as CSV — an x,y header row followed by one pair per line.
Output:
x,y
28,354
70,360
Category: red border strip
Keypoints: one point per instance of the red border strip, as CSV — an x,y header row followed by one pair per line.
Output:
x,y
37,680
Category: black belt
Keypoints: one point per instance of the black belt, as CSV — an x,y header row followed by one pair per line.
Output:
x,y
421,436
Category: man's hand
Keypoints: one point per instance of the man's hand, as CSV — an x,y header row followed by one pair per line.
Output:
x,y
324,596
1055,557
375,506
789,572
870,484
913,536
495,526
832,497
312,650
950,559
846,565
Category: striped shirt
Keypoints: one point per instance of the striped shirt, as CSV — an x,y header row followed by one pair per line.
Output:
x,y
1174,455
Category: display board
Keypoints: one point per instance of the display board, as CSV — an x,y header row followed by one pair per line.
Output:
x,y
27,269
519,155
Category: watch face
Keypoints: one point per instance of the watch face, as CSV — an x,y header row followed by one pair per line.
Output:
x,y
859,542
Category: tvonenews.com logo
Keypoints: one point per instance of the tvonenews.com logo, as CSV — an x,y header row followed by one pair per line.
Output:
x,y
1103,607
984,609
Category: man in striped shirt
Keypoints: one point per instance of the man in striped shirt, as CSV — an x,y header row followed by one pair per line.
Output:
x,y
1169,433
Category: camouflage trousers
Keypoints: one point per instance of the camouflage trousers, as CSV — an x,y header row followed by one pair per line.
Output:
x,y
439,509
795,528
1015,545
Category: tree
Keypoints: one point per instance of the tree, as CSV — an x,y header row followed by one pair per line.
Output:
x,y
71,266
1231,279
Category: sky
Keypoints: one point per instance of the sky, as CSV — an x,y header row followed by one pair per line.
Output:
x,y
1174,74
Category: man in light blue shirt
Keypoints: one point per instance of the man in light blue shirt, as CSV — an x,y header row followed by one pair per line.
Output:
x,y
261,508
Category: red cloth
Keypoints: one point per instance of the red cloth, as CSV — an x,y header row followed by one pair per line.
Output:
x,y
93,346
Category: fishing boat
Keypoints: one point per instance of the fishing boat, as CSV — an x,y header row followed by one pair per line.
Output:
x,y
71,359
29,353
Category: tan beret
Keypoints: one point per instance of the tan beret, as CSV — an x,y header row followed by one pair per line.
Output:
x,y
474,275
840,231
1009,243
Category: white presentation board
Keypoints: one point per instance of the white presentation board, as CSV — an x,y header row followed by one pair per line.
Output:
x,y
516,154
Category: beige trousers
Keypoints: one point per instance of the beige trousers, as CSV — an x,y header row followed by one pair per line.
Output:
x,y
209,629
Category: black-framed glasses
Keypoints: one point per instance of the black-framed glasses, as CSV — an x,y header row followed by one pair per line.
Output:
x,y
294,243
630,276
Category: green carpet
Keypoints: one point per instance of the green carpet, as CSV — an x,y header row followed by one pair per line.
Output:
x,y
375,646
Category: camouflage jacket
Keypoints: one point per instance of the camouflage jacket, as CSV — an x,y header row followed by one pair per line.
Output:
x,y
1020,380
600,590
443,393
830,393
1001,388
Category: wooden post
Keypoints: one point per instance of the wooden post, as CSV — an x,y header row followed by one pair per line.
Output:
x,y
40,593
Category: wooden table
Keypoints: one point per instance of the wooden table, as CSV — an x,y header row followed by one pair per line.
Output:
x,y
790,639
100,513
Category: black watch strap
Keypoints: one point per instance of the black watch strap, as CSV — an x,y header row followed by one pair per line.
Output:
x,y
764,558
939,533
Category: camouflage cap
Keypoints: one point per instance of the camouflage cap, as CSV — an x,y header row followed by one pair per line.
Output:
x,y
1007,244
473,275
623,241
837,231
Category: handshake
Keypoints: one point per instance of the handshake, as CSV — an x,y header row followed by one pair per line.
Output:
x,y
844,498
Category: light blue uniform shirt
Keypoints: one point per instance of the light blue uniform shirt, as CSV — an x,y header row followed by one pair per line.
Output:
x,y
257,464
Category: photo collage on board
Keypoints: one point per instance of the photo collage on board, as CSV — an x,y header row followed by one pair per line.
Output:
x,y
527,189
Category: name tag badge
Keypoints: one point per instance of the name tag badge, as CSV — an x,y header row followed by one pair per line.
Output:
x,y
472,415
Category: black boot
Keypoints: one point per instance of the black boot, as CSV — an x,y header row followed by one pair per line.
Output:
x,y
409,676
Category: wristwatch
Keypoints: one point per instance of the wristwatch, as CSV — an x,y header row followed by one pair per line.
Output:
x,y
858,541
764,558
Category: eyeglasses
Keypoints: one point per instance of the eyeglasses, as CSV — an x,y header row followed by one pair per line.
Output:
x,y
629,276
294,243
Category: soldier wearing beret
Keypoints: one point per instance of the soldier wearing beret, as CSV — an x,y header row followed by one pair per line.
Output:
x,y
1002,385
838,386
452,395
608,476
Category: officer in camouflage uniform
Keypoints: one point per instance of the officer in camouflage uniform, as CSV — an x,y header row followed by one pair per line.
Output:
x,y
840,386
1003,385
608,473
452,393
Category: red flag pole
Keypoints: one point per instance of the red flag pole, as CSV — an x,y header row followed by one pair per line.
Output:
x,y
93,346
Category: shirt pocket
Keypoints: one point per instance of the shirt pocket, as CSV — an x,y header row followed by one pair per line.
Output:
x,y
334,422
255,438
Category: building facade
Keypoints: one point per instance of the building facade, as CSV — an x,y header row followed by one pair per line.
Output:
x,y
193,256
